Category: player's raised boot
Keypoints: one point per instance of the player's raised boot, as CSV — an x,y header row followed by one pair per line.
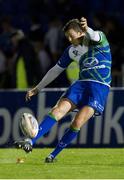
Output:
x,y
50,159
25,144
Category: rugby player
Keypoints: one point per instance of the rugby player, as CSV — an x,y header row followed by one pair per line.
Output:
x,y
88,94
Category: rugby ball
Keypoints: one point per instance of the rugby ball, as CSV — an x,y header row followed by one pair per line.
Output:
x,y
29,125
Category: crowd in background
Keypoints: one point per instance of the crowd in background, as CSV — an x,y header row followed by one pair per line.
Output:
x,y
31,38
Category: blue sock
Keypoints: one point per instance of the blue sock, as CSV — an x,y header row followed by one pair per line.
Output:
x,y
66,139
44,126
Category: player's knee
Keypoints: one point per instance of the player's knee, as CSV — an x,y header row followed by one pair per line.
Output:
x,y
57,113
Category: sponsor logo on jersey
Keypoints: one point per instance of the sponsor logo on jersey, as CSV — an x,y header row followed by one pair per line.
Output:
x,y
95,67
90,62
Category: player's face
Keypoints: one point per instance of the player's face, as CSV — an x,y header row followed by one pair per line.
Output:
x,y
74,37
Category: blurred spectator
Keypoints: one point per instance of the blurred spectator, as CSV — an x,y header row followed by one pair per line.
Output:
x,y
36,35
7,29
36,31
43,56
26,69
7,50
53,38
114,33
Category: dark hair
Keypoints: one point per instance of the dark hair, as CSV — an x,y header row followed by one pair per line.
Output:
x,y
73,24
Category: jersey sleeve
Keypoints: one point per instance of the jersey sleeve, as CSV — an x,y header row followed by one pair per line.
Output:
x,y
102,37
92,35
65,59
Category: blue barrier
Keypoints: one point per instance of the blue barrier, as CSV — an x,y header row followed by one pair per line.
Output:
x,y
104,131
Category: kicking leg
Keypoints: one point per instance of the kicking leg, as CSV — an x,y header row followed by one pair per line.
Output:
x,y
59,111
56,114
82,116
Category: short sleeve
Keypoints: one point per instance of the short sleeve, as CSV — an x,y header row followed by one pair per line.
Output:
x,y
65,59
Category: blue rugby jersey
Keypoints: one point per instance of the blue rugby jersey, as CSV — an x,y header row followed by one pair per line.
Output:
x,y
94,59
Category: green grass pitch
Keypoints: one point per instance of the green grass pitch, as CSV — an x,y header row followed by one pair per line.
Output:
x,y
72,164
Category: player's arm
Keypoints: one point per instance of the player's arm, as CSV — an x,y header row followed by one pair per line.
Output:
x,y
93,35
52,74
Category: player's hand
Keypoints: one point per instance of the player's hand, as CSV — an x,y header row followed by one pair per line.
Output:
x,y
31,93
83,22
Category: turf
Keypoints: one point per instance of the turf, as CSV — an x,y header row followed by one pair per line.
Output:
x,y
71,164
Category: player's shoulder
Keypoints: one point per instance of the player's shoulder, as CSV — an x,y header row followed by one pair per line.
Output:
x,y
69,47
65,58
103,38
68,50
